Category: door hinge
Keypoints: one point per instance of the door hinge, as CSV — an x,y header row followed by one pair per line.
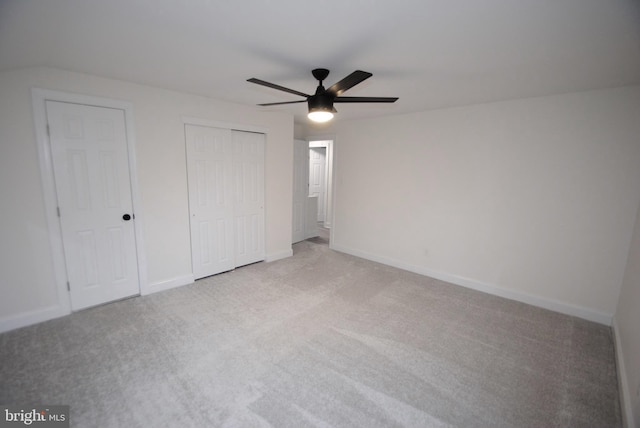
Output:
x,y
68,286
58,210
48,131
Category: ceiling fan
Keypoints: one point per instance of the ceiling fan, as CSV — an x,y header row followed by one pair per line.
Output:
x,y
321,103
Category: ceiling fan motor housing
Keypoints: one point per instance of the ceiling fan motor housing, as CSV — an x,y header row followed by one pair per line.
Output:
x,y
322,101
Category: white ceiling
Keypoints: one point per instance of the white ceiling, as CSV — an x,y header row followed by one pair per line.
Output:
x,y
430,53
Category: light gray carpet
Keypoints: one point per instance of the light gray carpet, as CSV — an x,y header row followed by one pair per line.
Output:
x,y
321,339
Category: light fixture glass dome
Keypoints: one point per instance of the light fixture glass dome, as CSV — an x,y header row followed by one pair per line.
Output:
x,y
320,116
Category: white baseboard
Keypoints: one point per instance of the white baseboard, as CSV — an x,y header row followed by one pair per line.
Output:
x,y
623,383
541,302
33,317
277,256
168,284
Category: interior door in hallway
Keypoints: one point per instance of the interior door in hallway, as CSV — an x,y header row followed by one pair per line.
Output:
x,y
317,177
93,186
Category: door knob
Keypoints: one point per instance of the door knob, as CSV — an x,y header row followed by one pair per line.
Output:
x,y
126,217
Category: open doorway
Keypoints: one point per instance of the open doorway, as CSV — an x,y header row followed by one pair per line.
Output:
x,y
320,184
318,179
320,174
312,190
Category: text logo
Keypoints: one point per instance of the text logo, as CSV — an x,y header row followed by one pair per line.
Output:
x,y
39,416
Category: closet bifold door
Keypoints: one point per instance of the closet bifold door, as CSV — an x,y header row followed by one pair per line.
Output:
x,y
225,172
248,194
209,161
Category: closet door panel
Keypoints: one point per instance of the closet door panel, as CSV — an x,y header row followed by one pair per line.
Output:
x,y
209,174
248,194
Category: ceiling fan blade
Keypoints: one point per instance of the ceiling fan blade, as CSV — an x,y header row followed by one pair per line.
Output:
x,y
278,87
365,100
349,82
284,102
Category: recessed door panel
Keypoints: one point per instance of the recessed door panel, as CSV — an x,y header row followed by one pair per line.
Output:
x,y
117,241
108,165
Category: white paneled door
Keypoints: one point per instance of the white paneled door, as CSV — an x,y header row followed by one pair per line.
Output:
x,y
225,171
248,194
317,177
209,160
93,187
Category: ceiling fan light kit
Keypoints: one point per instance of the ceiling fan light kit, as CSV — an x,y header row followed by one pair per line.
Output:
x,y
320,116
321,103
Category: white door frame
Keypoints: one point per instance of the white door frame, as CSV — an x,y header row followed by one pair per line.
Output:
x,y
39,98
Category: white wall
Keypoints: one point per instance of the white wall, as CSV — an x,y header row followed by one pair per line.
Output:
x,y
532,199
26,270
627,330
299,131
